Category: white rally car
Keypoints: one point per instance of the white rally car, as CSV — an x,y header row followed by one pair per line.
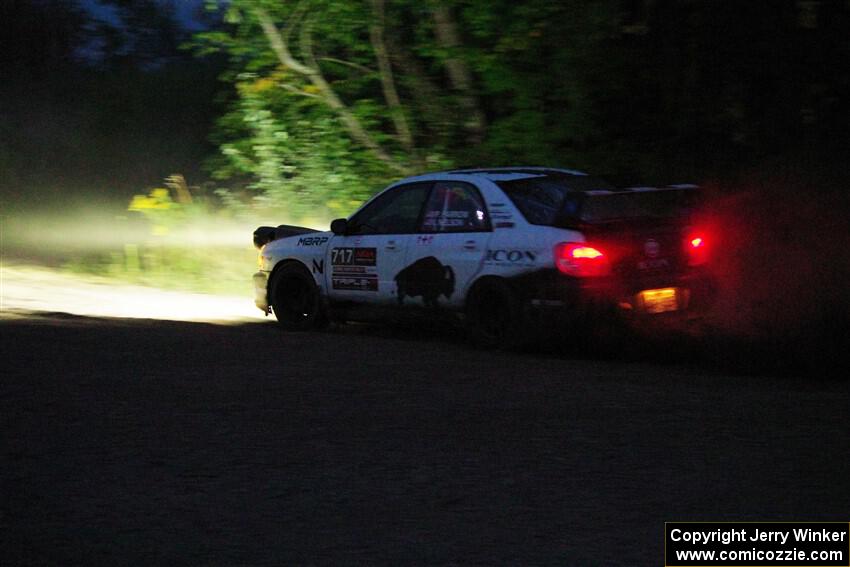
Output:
x,y
498,248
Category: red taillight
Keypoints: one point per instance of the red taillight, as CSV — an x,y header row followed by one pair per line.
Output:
x,y
581,259
697,250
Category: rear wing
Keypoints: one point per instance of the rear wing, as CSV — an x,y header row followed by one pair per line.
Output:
x,y
643,189
632,203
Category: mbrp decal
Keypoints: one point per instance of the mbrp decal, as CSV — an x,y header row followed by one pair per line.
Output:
x,y
312,240
354,269
426,277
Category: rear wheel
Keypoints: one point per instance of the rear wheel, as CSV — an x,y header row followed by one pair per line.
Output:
x,y
295,299
495,317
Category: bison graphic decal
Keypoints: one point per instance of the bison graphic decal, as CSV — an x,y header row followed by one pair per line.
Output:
x,y
426,277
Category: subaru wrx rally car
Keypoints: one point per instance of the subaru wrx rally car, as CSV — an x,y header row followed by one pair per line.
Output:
x,y
497,248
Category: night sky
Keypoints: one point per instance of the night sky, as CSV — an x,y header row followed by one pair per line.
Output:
x,y
99,104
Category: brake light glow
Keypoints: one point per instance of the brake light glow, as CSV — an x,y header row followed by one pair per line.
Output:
x,y
580,259
697,250
586,252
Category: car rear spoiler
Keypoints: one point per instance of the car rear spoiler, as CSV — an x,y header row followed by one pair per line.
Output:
x,y
642,189
265,234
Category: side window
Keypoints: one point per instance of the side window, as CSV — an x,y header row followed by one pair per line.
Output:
x,y
455,207
394,212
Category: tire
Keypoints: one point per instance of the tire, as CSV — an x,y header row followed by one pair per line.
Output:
x,y
495,317
295,299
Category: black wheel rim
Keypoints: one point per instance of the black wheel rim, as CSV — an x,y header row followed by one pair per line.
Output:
x,y
492,315
294,299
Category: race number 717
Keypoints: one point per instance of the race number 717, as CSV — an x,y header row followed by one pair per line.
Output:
x,y
343,256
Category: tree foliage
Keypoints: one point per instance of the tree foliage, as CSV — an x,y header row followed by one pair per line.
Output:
x,y
333,97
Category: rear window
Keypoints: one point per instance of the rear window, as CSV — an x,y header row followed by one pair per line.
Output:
x,y
550,199
565,200
661,204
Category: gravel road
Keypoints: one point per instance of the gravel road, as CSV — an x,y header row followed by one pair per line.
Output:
x,y
152,442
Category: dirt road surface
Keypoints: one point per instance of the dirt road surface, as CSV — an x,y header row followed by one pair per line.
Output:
x,y
38,289
152,442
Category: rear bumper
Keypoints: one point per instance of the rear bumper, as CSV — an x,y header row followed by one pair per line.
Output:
x,y
593,298
694,294
261,294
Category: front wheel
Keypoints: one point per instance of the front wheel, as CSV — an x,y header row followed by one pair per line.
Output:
x,y
495,316
295,299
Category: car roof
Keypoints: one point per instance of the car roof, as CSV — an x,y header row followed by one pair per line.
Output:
x,y
495,173
501,171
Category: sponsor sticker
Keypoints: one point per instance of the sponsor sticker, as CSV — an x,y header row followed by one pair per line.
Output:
x,y
354,256
427,278
651,248
354,269
510,257
355,283
312,240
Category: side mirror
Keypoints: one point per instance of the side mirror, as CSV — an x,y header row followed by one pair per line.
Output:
x,y
339,226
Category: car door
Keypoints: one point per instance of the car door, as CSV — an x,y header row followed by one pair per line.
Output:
x,y
364,261
449,248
